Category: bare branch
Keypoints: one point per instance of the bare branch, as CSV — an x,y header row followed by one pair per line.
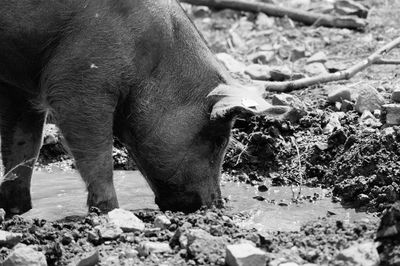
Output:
x,y
308,18
375,58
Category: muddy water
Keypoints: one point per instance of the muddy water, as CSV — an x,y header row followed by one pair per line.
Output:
x,y
59,194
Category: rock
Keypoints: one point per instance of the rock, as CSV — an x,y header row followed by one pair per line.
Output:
x,y
131,253
146,248
23,255
126,220
89,259
363,199
231,63
112,261
350,8
333,124
264,22
388,132
236,40
109,231
289,264
245,254
161,221
338,94
2,215
51,134
297,53
364,254
347,106
258,72
391,114
9,239
280,73
262,57
315,69
369,120
286,100
319,57
334,66
202,244
368,99
396,95
390,223
201,11
262,188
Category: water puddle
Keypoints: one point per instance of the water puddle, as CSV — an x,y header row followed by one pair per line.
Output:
x,y
272,216
59,194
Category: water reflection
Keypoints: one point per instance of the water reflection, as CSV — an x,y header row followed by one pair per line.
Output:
x,y
59,194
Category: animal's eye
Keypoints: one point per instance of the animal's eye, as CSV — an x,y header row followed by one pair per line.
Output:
x,y
221,141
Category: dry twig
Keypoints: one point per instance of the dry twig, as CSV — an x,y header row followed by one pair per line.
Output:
x,y
373,59
308,18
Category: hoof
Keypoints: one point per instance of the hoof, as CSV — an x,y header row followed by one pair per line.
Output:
x,y
14,199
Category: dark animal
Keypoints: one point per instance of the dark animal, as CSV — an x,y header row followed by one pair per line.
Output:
x,y
134,69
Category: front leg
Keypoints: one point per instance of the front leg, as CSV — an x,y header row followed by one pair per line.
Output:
x,y
87,129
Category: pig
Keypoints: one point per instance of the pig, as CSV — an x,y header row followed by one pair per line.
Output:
x,y
134,69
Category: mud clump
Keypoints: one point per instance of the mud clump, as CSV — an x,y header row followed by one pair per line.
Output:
x,y
360,163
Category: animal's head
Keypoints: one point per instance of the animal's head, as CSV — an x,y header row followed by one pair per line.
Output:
x,y
181,151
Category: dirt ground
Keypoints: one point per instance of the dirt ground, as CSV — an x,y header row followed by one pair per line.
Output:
x,y
359,160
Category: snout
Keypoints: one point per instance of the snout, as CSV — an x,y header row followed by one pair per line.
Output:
x,y
189,201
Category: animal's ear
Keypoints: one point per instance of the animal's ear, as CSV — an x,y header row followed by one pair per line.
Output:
x,y
239,101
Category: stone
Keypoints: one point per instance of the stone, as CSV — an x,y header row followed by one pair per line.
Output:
x,y
236,40
258,72
88,259
200,243
319,57
201,11
2,215
131,253
388,132
264,22
289,264
315,69
280,73
297,53
369,120
350,8
390,223
338,94
112,261
368,99
396,95
23,255
347,106
262,57
109,231
126,220
162,221
51,134
363,254
245,254
286,100
9,239
146,248
391,114
334,66
231,63
333,124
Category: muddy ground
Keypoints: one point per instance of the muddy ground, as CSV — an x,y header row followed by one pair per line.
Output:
x,y
357,158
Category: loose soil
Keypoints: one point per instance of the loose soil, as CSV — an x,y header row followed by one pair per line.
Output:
x,y
360,163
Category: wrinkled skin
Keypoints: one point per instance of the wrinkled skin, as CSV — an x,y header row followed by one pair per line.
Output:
x,y
134,69
138,70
